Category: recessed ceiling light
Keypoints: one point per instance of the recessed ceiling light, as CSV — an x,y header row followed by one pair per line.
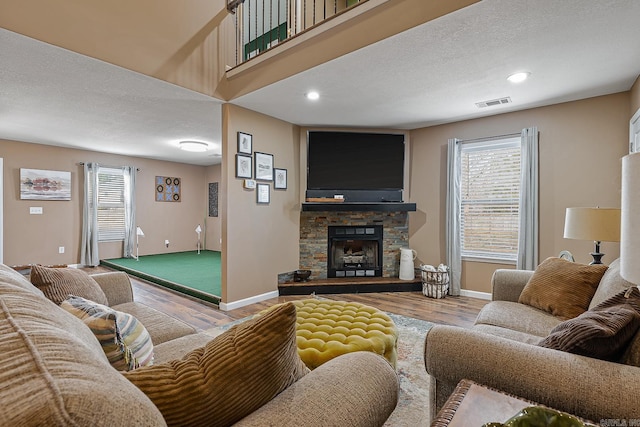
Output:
x,y
195,146
313,95
519,77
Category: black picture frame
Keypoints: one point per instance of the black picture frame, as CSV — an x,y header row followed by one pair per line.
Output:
x,y
263,196
245,143
243,166
263,166
279,179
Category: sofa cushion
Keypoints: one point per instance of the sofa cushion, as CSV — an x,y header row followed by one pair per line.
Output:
x,y
518,317
602,332
631,355
232,376
507,333
610,284
123,338
58,283
562,288
53,371
160,326
10,276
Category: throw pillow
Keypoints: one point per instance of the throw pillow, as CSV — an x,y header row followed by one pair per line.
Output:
x,y
124,340
602,332
231,376
58,283
562,288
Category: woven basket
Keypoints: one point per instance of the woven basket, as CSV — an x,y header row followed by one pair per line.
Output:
x,y
435,284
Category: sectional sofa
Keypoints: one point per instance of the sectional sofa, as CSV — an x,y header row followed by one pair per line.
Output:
x,y
54,372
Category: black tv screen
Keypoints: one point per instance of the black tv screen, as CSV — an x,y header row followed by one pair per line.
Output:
x,y
355,161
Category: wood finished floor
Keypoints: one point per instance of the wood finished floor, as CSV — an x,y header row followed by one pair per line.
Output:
x,y
458,311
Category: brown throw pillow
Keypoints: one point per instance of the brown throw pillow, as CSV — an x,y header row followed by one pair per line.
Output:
x,y
602,332
231,376
562,288
58,283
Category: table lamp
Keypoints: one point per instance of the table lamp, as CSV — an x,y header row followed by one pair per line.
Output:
x,y
597,224
630,228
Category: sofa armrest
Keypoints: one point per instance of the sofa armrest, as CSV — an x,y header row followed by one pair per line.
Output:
x,y
507,284
116,286
352,390
590,388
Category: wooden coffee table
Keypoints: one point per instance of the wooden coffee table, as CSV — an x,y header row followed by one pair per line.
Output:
x,y
472,405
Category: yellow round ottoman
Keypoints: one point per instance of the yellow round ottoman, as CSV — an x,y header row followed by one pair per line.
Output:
x,y
326,329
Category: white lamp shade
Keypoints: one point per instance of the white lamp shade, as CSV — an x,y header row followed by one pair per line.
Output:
x,y
139,232
597,224
630,228
198,229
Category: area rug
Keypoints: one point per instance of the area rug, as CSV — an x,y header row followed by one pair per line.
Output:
x,y
413,403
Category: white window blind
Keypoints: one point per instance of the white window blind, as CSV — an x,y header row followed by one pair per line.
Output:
x,y
490,193
111,208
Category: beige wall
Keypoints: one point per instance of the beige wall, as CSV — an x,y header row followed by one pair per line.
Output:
x,y
36,238
258,241
635,97
581,144
213,231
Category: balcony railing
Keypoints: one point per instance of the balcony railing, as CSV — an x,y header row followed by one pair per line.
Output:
x,y
262,24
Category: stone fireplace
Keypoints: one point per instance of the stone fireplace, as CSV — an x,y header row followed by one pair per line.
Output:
x,y
356,249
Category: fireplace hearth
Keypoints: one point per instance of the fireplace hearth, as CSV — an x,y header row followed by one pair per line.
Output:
x,y
354,251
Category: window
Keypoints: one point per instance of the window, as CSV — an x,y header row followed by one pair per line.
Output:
x,y
489,198
111,206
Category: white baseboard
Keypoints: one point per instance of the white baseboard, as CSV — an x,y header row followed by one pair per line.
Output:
x,y
475,294
248,301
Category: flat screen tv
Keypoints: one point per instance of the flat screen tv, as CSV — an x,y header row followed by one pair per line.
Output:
x,y
345,161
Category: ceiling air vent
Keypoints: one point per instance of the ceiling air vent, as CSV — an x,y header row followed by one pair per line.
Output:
x,y
494,102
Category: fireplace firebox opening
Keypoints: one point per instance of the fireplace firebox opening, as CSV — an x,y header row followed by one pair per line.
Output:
x,y
355,251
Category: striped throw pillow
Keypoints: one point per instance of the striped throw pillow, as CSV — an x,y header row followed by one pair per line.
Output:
x,y
604,332
562,288
124,340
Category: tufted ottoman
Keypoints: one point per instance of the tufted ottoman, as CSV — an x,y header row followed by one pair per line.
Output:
x,y
326,329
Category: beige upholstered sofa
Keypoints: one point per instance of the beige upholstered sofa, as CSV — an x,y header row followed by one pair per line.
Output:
x,y
53,370
500,351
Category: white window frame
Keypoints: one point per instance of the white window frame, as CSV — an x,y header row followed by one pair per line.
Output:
x,y
106,203
511,143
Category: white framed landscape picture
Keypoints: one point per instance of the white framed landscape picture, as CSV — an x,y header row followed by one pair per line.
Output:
x,y
38,184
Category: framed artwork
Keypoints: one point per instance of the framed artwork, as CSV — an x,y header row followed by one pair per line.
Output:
x,y
243,166
245,142
168,189
263,193
264,166
38,184
279,179
213,199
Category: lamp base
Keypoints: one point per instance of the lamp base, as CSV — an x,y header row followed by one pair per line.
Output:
x,y
597,258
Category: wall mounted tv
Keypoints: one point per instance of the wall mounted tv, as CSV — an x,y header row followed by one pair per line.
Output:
x,y
364,167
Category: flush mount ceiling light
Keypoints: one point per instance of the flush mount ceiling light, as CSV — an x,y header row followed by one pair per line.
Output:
x,y
312,95
519,77
195,146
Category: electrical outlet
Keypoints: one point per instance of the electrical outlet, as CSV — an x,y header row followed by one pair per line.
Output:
x,y
166,243
60,249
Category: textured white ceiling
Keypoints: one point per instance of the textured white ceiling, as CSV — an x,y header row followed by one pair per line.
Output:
x,y
431,74
53,96
435,73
